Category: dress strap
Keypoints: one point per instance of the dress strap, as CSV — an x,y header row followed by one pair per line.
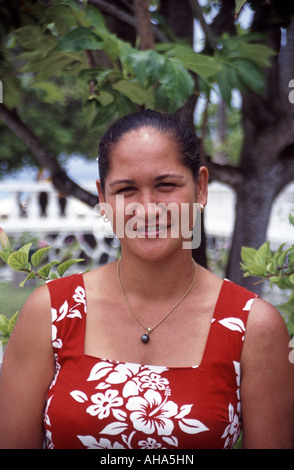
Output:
x,y
68,311
234,301
227,332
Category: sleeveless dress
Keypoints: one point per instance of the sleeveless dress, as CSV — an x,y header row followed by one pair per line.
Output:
x,y
103,404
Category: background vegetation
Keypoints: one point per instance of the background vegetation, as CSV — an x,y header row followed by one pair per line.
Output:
x,y
69,68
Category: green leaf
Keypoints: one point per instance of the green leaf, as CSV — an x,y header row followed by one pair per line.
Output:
x,y
105,98
239,5
53,63
45,270
202,65
144,64
18,261
39,256
62,268
104,115
135,92
31,275
291,219
274,280
12,323
281,258
257,270
96,19
250,75
224,84
177,82
62,17
4,340
248,255
258,53
4,324
287,307
79,39
25,248
51,93
28,37
4,256
53,276
291,278
11,85
263,254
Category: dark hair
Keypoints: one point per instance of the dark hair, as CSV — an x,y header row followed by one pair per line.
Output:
x,y
175,125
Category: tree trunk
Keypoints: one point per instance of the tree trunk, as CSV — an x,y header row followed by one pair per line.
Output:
x,y
143,24
253,207
267,162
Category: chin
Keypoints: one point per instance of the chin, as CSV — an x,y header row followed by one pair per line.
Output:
x,y
154,249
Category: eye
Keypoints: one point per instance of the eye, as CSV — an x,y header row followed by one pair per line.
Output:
x,y
125,190
166,185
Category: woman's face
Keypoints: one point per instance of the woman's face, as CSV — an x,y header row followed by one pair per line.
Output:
x,y
149,192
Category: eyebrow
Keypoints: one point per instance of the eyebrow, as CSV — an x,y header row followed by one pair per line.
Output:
x,y
122,182
158,178
168,175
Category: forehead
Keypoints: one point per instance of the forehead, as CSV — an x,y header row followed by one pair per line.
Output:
x,y
145,144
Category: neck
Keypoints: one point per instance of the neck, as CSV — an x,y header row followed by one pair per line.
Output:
x,y
162,279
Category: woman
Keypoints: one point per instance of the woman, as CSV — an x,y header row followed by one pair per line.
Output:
x,y
149,352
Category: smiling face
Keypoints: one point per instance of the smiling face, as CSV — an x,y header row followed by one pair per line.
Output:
x,y
146,169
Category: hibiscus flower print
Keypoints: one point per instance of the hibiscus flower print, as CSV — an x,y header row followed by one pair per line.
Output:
x,y
149,444
151,413
154,381
232,431
91,443
104,403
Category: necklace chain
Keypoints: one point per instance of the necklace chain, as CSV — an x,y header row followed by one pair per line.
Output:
x,y
145,338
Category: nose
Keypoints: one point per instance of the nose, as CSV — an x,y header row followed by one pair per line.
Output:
x,y
146,208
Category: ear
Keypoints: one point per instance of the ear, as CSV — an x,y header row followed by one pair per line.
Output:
x,y
202,183
100,192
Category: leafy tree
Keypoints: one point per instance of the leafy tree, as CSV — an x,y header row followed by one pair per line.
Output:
x,y
275,266
48,47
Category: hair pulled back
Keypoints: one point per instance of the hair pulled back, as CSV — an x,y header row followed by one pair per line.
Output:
x,y
174,125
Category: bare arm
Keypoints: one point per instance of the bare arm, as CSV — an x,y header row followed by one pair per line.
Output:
x,y
267,386
26,374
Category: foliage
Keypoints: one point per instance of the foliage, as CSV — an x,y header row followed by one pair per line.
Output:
x,y
241,60
277,267
231,146
64,53
34,266
6,327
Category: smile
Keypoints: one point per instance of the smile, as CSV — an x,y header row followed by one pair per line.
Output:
x,y
152,230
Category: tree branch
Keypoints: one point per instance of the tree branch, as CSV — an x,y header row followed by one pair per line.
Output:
x,y
143,24
59,177
107,7
227,174
198,15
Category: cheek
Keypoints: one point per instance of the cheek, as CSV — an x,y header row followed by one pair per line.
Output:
x,y
120,211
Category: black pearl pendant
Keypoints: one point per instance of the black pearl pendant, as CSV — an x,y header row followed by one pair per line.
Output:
x,y
145,338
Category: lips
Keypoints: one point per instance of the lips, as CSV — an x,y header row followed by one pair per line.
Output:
x,y
151,230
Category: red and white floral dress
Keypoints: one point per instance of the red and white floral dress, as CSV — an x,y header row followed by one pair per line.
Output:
x,y
104,404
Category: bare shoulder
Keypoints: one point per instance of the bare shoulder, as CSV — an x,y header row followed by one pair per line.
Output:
x,y
265,326
35,316
31,336
26,373
267,386
267,339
